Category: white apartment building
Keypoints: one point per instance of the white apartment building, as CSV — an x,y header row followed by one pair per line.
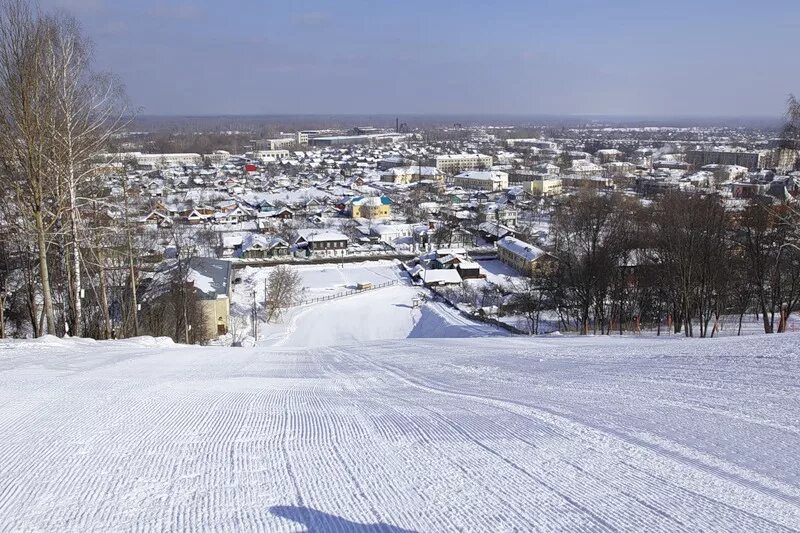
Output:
x,y
455,163
271,155
280,143
217,157
487,180
531,143
167,160
151,160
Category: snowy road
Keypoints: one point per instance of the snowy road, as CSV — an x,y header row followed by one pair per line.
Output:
x,y
484,434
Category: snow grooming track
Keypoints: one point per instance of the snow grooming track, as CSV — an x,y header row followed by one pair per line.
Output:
x,y
739,493
664,448
488,434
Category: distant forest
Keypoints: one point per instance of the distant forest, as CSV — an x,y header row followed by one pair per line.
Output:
x,y
273,124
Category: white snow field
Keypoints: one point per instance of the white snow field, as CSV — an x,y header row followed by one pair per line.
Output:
x,y
472,434
380,314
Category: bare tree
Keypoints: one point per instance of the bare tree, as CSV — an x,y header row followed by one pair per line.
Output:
x,y
55,116
283,289
586,230
531,299
88,109
26,115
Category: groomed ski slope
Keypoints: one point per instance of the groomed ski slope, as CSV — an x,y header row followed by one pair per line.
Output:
x,y
481,434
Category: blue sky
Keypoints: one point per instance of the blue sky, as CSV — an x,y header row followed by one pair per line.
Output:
x,y
623,57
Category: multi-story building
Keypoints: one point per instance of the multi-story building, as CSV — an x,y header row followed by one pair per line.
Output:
x,y
608,155
278,143
408,174
544,181
371,207
455,163
271,155
618,168
544,186
217,157
521,256
531,143
340,140
152,160
701,158
487,180
588,182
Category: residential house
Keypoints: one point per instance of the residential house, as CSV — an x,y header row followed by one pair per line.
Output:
x,y
493,231
523,257
156,219
435,278
211,279
322,243
370,207
390,233
258,246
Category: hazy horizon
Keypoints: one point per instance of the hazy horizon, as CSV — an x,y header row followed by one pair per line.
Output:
x,y
295,121
673,60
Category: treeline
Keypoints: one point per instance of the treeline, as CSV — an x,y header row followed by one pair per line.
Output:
x,y
683,261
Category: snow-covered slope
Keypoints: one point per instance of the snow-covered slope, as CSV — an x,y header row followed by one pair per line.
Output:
x,y
382,314
483,434
385,313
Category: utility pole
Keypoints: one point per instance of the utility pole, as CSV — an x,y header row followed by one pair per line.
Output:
x,y
131,265
3,294
255,318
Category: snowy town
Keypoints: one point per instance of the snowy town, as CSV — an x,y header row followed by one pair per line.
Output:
x,y
369,267
466,222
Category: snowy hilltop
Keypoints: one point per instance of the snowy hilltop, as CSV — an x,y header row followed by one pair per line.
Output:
x,y
476,434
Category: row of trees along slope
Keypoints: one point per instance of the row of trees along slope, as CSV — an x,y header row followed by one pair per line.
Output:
x,y
687,259
56,114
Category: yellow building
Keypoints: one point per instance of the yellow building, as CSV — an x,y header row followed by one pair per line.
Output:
x,y
544,186
215,316
211,280
371,207
523,257
455,163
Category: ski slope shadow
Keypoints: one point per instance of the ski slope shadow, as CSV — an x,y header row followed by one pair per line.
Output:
x,y
319,522
438,321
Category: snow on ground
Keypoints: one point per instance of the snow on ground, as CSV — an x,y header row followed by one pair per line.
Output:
x,y
487,434
499,273
322,279
379,314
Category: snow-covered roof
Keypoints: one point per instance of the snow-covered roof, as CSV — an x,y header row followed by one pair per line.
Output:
x,y
211,277
441,276
483,175
257,240
371,200
315,235
390,229
521,248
